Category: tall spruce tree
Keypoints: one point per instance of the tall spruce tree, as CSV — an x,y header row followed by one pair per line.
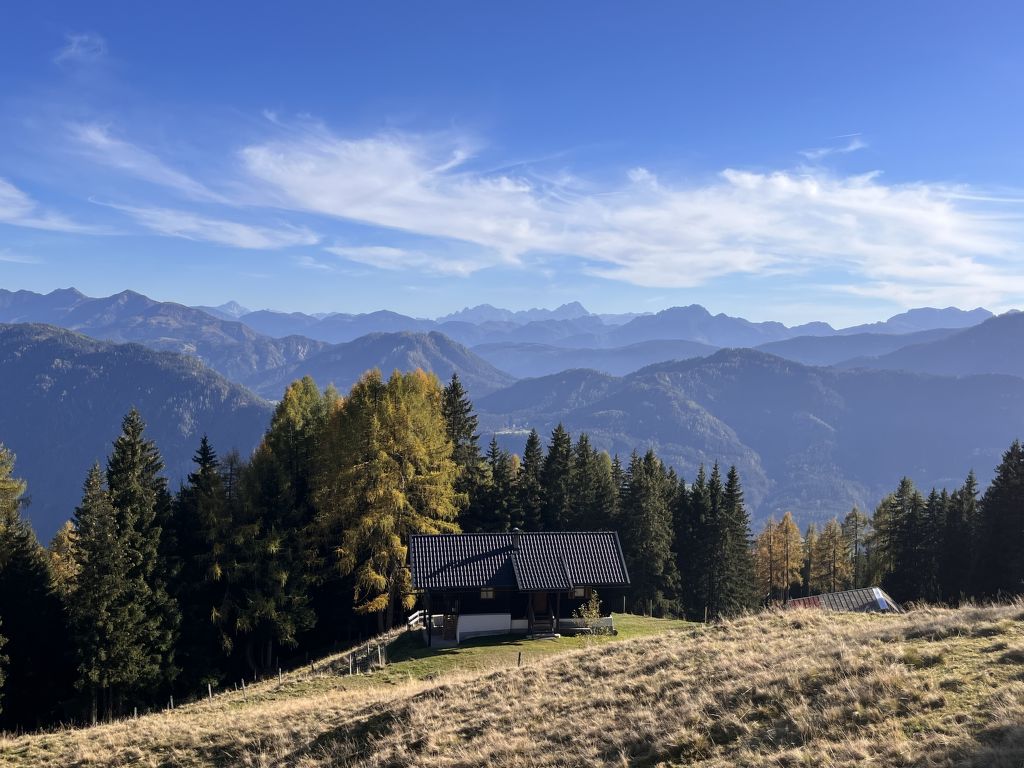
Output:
x,y
500,495
461,427
999,566
138,494
896,541
647,536
529,489
103,615
735,591
556,480
958,542
692,520
203,527
34,621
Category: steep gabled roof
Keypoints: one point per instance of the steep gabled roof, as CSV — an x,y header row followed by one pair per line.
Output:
x,y
555,561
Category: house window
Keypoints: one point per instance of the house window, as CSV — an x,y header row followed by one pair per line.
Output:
x,y
487,593
579,592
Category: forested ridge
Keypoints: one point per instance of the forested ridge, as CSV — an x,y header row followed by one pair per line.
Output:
x,y
255,562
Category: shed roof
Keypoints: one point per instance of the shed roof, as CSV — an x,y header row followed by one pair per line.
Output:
x,y
555,561
867,600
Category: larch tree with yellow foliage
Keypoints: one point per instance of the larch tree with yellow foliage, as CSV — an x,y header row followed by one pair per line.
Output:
x,y
386,472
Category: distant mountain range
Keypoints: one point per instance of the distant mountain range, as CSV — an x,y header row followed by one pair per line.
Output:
x,y
815,441
811,439
65,395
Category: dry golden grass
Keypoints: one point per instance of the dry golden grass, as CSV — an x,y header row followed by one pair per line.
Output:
x,y
934,687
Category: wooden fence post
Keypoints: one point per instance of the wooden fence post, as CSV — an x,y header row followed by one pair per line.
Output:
x,y
209,691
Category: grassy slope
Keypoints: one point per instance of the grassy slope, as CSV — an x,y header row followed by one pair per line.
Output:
x,y
934,687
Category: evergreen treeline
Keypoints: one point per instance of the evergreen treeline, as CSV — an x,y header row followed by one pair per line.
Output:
x,y
256,562
946,546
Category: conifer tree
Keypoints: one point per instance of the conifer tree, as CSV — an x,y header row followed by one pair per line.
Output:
x,y
647,536
530,491
277,554
555,477
999,565
500,496
855,532
896,541
138,494
389,474
735,593
34,621
63,565
592,492
958,539
460,425
203,532
102,612
832,559
693,542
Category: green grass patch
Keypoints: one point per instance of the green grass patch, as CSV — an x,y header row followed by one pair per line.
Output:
x,y
409,657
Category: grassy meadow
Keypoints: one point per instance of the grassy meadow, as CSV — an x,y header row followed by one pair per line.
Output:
x,y
933,687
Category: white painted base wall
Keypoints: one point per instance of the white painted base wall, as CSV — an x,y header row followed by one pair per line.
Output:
x,y
480,624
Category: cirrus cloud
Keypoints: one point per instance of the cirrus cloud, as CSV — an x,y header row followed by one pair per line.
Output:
x,y
883,237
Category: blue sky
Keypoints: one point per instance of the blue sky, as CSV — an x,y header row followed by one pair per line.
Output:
x,y
789,160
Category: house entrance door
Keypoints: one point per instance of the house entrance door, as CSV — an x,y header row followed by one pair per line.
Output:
x,y
540,603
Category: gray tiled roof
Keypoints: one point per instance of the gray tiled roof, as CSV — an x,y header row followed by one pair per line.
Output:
x,y
867,600
553,561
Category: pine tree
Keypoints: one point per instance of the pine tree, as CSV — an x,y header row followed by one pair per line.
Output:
x,y
389,475
647,536
735,593
930,548
897,542
138,494
499,498
693,541
63,565
277,552
34,621
203,532
102,612
958,542
530,491
461,427
999,567
555,477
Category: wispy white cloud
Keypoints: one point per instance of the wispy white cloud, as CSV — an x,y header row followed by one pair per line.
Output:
x,y
100,146
12,257
18,209
907,242
648,232
82,47
192,226
306,261
855,143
